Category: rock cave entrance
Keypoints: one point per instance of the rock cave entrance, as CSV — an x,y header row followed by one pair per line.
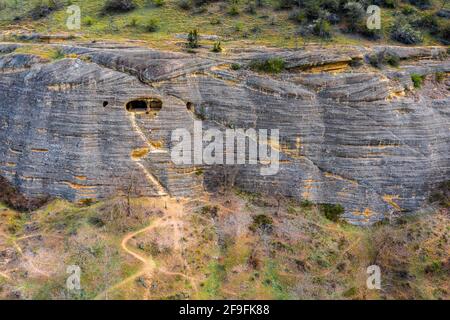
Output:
x,y
150,106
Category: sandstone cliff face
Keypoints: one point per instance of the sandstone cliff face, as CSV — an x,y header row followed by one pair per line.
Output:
x,y
357,136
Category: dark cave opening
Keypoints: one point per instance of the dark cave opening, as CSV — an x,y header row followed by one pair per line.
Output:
x,y
139,105
105,103
145,105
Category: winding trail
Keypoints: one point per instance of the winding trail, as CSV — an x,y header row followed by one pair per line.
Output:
x,y
172,217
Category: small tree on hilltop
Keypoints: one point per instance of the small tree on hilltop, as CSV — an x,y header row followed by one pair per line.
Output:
x,y
193,39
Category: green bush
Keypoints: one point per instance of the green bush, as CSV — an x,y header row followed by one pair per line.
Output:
x,y
305,203
217,47
233,10
184,4
193,39
215,21
271,65
403,32
322,28
371,34
312,10
422,4
250,8
409,10
387,3
43,9
211,211
385,57
235,66
417,80
286,4
445,34
57,54
96,222
159,3
332,212
152,25
133,22
354,15
89,21
118,6
427,21
262,222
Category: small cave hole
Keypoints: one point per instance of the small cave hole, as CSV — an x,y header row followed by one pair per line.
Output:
x,y
145,105
137,106
190,106
105,103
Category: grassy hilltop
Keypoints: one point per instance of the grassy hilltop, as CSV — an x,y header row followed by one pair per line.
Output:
x,y
286,23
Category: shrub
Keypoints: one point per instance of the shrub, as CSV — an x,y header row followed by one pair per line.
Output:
x,y
96,222
43,8
233,10
57,54
417,80
392,59
312,10
217,47
184,4
192,39
118,6
354,13
159,3
152,25
250,8
386,3
215,21
271,65
322,28
385,57
408,10
235,66
211,211
331,5
332,212
445,34
422,4
133,22
262,222
372,34
89,21
427,21
286,4
404,33
305,203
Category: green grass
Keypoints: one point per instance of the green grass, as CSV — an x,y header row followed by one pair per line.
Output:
x,y
212,285
417,80
273,282
271,65
267,27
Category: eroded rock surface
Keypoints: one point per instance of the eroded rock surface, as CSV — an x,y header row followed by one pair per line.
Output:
x,y
357,136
